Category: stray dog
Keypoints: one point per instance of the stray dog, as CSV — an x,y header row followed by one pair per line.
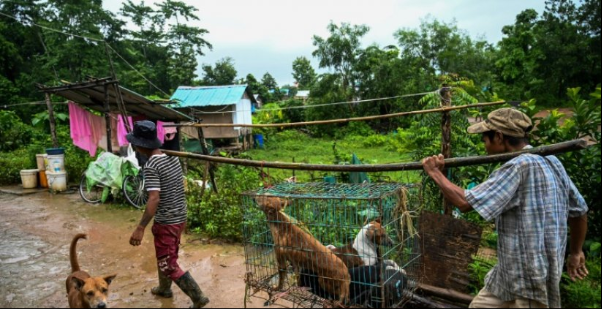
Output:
x,y
83,290
364,250
303,251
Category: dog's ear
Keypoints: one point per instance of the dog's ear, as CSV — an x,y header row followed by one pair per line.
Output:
x,y
109,279
379,220
78,283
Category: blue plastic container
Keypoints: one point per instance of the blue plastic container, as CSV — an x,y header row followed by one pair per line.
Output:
x,y
258,140
55,151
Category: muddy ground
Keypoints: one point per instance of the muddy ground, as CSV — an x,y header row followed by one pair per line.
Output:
x,y
35,233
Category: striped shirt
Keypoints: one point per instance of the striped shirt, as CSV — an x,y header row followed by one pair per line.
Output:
x,y
164,174
531,199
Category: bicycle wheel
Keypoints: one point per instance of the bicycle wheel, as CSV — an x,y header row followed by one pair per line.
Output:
x,y
92,196
133,190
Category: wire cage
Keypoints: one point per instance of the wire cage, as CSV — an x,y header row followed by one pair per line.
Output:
x,y
325,245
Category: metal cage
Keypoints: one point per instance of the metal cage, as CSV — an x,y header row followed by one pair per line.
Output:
x,y
369,222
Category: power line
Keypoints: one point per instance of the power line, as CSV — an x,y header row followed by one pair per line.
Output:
x,y
29,103
135,70
92,39
329,104
53,30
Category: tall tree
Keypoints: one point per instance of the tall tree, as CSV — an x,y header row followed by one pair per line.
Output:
x,y
224,73
340,52
442,48
304,73
540,57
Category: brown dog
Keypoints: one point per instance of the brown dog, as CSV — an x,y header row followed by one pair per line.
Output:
x,y
303,251
83,290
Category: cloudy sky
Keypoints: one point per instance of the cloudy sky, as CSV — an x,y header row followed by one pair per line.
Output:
x,y
268,35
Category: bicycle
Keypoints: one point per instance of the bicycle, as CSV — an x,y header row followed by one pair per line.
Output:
x,y
132,189
90,193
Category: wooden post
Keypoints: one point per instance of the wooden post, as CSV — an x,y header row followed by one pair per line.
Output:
x,y
108,119
206,152
446,137
55,141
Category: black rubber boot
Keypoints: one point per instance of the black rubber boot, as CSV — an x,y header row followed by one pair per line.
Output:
x,y
164,288
192,289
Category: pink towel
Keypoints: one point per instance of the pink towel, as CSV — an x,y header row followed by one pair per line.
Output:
x,y
160,131
81,132
121,130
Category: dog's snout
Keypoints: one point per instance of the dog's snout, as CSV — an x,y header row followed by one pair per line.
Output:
x,y
102,305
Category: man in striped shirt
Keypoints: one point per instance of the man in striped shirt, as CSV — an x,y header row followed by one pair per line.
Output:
x,y
530,198
167,204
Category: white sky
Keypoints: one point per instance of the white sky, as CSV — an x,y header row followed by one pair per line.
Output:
x,y
268,35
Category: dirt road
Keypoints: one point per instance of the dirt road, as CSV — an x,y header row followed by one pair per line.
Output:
x,y
35,232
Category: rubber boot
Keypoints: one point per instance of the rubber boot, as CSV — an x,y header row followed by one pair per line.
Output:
x,y
192,289
164,288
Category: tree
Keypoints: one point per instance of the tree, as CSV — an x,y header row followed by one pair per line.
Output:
x,y
540,57
442,48
304,73
224,73
269,82
340,52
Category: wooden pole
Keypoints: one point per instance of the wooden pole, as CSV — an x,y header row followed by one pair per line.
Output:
x,y
446,99
119,98
336,121
55,141
206,153
108,120
447,294
413,166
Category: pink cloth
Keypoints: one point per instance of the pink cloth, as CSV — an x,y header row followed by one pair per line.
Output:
x,y
122,131
81,132
160,131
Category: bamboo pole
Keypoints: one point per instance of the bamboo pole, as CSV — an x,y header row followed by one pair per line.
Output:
x,y
108,119
55,141
412,166
446,132
447,294
336,121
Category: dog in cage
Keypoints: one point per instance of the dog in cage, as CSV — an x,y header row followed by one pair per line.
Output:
x,y
364,251
304,252
370,276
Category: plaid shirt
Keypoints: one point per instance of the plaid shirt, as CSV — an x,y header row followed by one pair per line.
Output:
x,y
531,199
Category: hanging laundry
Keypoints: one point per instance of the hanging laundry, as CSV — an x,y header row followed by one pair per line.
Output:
x,y
122,131
160,131
81,132
170,132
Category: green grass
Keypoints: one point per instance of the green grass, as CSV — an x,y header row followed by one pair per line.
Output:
x,y
285,146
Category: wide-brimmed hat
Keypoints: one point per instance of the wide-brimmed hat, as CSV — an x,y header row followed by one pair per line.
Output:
x,y
144,135
508,121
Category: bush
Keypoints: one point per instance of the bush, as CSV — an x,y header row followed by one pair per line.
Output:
x,y
585,293
11,164
14,134
220,215
354,129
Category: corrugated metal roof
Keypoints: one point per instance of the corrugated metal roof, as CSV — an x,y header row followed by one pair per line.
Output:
x,y
209,96
91,94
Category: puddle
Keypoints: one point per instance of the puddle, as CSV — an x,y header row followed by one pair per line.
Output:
x,y
35,233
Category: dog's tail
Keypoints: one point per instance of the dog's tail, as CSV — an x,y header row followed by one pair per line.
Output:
x,y
73,252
